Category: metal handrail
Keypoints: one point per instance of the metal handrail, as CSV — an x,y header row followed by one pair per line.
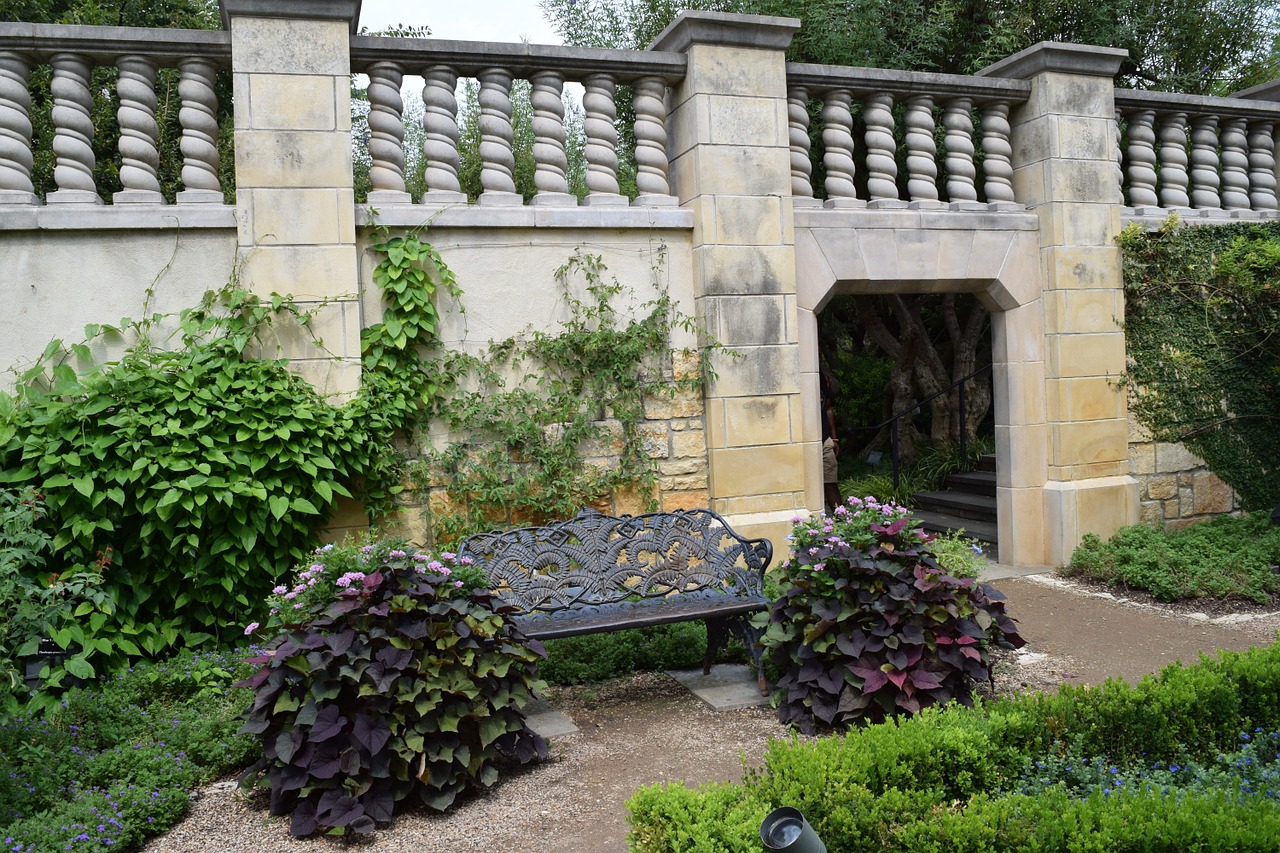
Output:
x,y
892,421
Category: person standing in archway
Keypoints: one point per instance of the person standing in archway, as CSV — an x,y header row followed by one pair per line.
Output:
x,y
830,444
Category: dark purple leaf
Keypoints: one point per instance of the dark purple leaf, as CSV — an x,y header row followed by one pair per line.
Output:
x,y
371,733
327,762
286,745
394,658
852,644
329,723
337,808
304,819
340,642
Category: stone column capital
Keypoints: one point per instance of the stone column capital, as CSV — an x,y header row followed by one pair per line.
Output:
x,y
330,10
1061,57
724,29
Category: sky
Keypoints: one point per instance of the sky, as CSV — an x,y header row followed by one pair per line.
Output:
x,y
468,20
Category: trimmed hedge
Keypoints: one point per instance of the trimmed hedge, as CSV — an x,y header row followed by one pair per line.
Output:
x,y
944,778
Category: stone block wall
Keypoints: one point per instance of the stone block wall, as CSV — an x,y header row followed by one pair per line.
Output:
x,y
1175,487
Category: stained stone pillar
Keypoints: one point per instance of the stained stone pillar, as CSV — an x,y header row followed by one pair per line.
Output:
x,y
1063,141
295,202
731,165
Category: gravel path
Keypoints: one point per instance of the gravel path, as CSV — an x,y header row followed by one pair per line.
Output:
x,y
646,729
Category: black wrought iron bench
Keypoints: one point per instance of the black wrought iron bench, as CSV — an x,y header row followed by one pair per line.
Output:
x,y
597,573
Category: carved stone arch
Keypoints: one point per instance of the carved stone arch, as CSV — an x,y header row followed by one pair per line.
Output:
x,y
995,257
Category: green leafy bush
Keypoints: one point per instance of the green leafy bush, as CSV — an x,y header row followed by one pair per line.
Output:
x,y
1028,773
596,657
130,746
1227,557
410,684
869,624
961,556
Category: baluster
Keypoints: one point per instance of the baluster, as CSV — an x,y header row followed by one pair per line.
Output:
x,y
551,175
997,170
199,145
1262,165
139,133
73,135
1142,159
958,142
440,143
882,165
386,135
1173,161
837,155
798,138
1235,164
601,152
648,100
1204,163
497,174
16,159
922,163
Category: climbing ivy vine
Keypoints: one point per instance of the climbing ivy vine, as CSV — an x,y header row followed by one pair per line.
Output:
x,y
1202,326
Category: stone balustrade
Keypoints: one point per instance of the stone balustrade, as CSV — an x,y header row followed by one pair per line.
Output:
x,y
72,54
388,61
862,143
1196,155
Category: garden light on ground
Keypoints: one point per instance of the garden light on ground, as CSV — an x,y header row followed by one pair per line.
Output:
x,y
786,829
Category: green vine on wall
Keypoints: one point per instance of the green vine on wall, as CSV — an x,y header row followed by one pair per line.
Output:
x,y
1202,327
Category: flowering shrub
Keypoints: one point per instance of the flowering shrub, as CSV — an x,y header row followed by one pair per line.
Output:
x,y
869,624
395,675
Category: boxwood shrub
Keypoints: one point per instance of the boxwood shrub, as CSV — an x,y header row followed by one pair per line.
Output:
x,y
956,778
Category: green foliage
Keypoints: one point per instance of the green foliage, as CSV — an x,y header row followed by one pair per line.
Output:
x,y
1224,558
130,747
1029,773
1202,328
868,624
410,684
929,471
199,472
959,555
525,409
597,657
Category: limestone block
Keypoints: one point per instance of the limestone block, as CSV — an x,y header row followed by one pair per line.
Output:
x,y
1021,517
608,443
747,320
732,170
1162,487
780,502
298,217
1091,181
1019,281
726,270
953,253
814,487
806,409
1083,310
1090,399
1018,334
1084,138
1099,506
737,120
1033,140
1172,458
308,273
291,46
655,439
633,500
716,432
659,407
1142,457
1150,513
686,364
815,279
757,470
1186,502
689,124
1030,182
1079,223
880,253
412,523
1169,508
1023,454
333,327
757,420
1094,470
774,526
298,102
683,483
749,221
1211,494
1079,355
757,372
680,467
730,70
1082,267
1061,94
1138,432
334,379
307,158
1089,441
691,499
689,444
1019,392
807,337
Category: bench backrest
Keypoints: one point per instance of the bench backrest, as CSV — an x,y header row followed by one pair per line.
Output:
x,y
600,559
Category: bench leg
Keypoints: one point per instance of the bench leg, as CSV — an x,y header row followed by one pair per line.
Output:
x,y
716,634
750,637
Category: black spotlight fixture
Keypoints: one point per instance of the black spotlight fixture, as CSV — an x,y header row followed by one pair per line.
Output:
x,y
786,829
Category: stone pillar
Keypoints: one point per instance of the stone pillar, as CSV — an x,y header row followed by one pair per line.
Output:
x,y
295,203
731,165
1063,141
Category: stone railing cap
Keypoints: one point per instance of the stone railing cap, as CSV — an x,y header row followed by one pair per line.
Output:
x,y
1269,91
724,28
1063,57
328,10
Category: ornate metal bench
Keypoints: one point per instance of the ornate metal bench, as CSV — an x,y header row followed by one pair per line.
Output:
x,y
597,573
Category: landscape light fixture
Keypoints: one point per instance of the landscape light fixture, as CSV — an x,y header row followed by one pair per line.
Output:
x,y
786,829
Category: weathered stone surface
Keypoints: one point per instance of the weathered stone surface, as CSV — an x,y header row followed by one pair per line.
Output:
x,y
688,499
1162,488
1174,458
1142,457
1211,494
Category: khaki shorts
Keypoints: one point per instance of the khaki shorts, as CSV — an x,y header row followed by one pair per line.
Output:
x,y
830,468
